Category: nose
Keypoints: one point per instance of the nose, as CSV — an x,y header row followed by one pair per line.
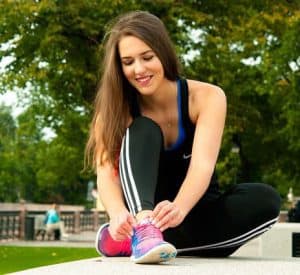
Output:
x,y
139,67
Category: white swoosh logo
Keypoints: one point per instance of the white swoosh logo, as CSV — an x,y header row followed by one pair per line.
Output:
x,y
186,156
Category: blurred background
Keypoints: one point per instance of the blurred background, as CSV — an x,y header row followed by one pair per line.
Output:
x,y
50,56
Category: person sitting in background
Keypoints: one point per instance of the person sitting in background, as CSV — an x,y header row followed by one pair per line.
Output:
x,y
53,222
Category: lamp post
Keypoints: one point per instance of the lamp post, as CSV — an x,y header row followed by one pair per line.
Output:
x,y
235,149
290,195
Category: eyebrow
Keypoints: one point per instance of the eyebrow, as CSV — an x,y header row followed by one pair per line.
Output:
x,y
143,53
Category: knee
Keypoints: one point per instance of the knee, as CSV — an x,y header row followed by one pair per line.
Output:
x,y
146,129
270,198
265,199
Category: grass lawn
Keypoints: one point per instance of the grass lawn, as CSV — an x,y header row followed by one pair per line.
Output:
x,y
16,258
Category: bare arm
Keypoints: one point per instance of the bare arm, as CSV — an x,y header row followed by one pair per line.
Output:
x,y
207,141
209,110
110,190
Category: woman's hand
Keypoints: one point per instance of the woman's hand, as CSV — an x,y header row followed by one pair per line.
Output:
x,y
167,214
121,225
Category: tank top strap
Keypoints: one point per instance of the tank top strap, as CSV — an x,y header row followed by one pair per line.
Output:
x,y
187,124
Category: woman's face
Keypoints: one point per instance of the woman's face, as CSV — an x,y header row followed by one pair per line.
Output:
x,y
140,65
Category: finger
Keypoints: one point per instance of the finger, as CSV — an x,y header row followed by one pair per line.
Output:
x,y
162,223
125,227
167,219
163,212
158,208
125,233
121,231
118,236
131,220
128,228
171,223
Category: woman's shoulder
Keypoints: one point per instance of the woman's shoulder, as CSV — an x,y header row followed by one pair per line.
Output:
x,y
202,89
202,95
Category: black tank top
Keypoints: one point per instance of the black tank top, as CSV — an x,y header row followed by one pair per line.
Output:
x,y
176,159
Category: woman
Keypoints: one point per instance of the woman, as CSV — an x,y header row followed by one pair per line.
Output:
x,y
155,139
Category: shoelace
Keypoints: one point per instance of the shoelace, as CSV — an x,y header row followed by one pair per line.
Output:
x,y
147,231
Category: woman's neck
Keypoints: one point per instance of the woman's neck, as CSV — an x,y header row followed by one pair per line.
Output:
x,y
161,99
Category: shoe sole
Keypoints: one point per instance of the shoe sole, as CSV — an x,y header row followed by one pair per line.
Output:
x,y
98,236
161,253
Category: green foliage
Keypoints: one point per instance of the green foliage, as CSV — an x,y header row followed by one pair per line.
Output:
x,y
249,48
7,159
263,96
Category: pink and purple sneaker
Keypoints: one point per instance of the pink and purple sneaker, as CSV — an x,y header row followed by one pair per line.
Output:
x,y
148,245
107,246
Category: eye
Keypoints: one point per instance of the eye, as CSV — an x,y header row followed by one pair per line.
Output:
x,y
148,57
127,61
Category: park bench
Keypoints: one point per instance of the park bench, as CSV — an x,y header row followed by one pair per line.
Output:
x,y
40,231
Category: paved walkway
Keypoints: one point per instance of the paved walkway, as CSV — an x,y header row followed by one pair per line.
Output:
x,y
179,266
84,239
245,261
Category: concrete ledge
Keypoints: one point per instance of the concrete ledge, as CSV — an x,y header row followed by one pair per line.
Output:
x,y
180,266
247,260
277,242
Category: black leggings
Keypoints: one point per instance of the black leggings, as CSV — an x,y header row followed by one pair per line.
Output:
x,y
214,227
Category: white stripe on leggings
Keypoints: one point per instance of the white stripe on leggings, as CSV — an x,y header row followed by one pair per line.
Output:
x,y
132,181
237,240
124,183
133,197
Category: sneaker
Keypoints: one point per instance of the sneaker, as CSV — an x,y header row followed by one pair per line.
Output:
x,y
107,246
148,245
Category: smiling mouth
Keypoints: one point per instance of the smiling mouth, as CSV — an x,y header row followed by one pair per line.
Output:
x,y
144,80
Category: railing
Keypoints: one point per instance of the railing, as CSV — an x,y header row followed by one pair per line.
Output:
x,y
9,225
69,219
86,221
13,224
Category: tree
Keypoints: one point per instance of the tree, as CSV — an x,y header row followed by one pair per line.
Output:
x,y
249,48
8,186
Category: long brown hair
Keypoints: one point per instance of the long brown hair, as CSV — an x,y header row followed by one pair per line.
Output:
x,y
115,95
